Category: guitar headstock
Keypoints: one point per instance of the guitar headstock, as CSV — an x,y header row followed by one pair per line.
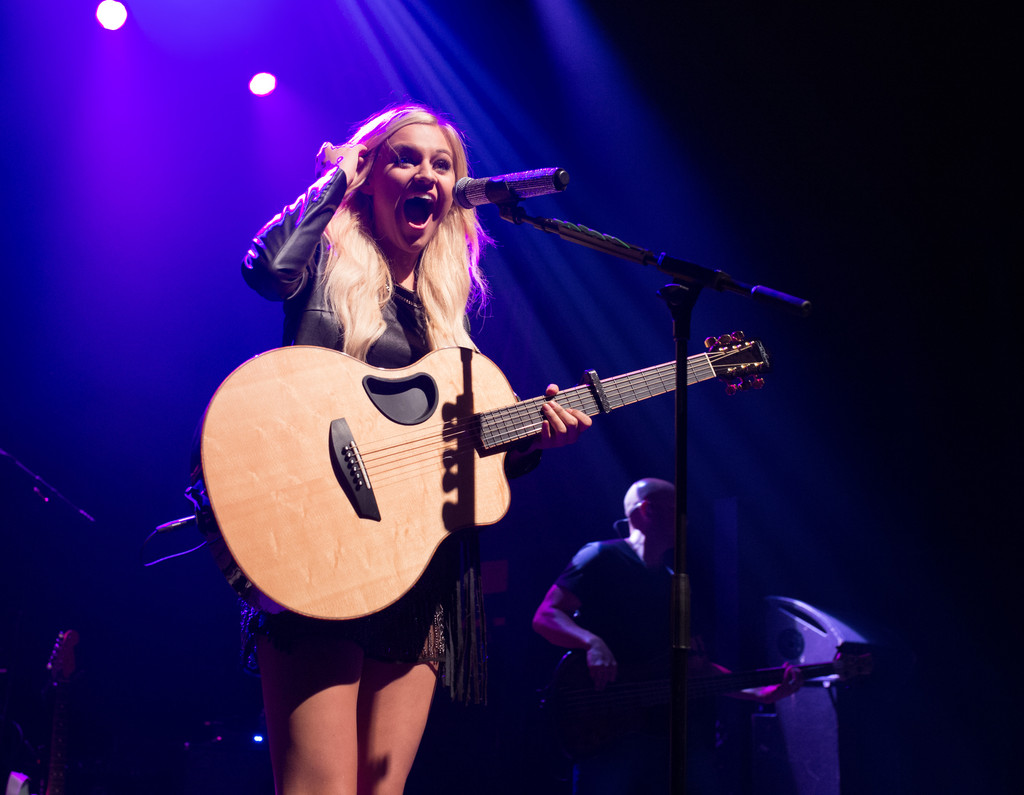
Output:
x,y
739,362
849,666
62,659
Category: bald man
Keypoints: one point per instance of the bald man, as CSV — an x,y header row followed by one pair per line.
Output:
x,y
613,603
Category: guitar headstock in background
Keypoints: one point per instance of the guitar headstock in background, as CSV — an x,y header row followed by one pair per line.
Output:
x,y
62,659
849,665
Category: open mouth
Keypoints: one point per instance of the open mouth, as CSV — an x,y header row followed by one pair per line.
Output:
x,y
418,210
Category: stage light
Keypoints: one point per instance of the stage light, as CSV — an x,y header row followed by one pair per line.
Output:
x,y
111,14
262,84
257,738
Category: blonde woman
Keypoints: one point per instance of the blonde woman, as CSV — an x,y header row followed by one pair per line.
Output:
x,y
376,260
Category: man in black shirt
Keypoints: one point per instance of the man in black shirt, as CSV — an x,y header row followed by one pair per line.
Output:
x,y
612,603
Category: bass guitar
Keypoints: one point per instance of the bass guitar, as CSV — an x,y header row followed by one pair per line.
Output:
x,y
332,483
585,720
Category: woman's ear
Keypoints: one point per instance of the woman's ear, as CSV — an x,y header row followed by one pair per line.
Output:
x,y
365,170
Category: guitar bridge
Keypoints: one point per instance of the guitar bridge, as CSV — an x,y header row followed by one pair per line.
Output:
x,y
350,471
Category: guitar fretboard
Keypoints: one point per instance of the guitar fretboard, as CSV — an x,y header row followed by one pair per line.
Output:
x,y
733,683
580,700
522,420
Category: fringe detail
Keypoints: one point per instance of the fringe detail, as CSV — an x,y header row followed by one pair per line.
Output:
x,y
465,669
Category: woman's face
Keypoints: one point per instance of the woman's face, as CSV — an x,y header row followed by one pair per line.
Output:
x,y
411,186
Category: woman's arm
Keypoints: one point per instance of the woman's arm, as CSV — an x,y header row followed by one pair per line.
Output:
x,y
277,264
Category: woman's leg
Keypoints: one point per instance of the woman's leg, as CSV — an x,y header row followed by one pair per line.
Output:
x,y
394,702
310,696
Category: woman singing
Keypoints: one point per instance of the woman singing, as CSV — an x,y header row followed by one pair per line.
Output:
x,y
377,261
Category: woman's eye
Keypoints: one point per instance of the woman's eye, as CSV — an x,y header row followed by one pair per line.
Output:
x,y
442,166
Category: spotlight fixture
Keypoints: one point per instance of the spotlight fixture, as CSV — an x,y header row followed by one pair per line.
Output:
x,y
111,14
262,84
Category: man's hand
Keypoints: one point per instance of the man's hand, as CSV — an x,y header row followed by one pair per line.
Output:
x,y
601,663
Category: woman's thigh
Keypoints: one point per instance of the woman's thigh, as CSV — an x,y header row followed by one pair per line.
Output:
x,y
394,702
310,695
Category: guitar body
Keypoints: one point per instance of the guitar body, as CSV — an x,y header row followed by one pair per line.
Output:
x,y
336,519
585,721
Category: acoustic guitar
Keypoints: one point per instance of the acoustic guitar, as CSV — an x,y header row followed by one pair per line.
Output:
x,y
332,483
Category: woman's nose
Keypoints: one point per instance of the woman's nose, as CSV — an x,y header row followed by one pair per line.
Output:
x,y
425,173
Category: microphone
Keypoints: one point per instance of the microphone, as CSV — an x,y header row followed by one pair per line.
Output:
x,y
510,188
176,524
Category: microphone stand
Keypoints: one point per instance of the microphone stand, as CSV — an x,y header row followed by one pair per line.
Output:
x,y
680,299
46,489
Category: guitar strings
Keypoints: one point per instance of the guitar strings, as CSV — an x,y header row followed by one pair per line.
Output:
x,y
405,456
582,698
585,700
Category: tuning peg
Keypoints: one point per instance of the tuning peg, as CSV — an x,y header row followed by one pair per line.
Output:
x,y
743,384
719,342
736,338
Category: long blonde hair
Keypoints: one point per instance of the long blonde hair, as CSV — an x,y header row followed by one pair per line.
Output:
x,y
357,280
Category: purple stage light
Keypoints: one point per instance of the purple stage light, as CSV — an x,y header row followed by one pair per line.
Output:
x,y
262,84
111,14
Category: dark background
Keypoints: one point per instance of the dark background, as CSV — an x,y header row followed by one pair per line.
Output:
x,y
853,155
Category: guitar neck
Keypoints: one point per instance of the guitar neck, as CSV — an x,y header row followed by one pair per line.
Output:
x,y
735,682
57,767
654,692
60,666
522,420
632,696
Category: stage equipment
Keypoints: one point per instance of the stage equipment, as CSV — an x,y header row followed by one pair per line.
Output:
x,y
804,748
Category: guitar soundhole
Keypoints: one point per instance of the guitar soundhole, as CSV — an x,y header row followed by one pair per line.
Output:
x,y
407,401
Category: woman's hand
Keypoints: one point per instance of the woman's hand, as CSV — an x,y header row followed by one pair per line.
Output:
x,y
561,426
350,156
